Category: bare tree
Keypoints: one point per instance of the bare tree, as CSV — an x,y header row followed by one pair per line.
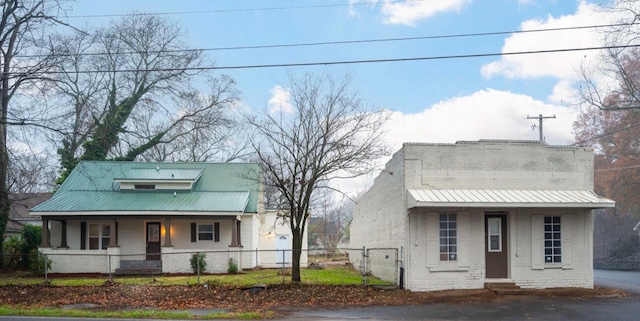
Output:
x,y
138,99
331,133
330,220
31,172
23,28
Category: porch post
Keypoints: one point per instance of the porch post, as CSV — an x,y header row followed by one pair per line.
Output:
x,y
45,233
167,232
234,232
113,240
63,234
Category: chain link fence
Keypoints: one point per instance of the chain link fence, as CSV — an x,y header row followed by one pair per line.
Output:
x,y
343,266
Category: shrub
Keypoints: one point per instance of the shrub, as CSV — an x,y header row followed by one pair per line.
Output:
x,y
233,266
12,253
38,262
198,263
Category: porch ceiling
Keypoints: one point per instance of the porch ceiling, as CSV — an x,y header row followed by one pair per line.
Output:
x,y
506,198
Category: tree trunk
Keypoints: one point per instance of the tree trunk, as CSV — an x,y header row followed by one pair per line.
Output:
x,y
297,253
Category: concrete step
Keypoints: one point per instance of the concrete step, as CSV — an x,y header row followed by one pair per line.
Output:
x,y
504,288
138,271
133,264
139,267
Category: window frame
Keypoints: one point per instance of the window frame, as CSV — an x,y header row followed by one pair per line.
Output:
x,y
498,234
552,240
448,237
214,232
103,239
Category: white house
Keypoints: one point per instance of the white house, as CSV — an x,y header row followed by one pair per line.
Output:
x,y
113,216
471,213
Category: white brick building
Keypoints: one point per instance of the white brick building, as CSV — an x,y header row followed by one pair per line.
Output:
x,y
489,211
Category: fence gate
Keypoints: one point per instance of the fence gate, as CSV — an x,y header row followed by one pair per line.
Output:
x,y
382,263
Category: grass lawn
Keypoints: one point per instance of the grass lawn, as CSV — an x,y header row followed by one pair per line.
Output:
x,y
330,275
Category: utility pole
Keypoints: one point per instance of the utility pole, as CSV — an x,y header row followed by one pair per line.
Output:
x,y
540,118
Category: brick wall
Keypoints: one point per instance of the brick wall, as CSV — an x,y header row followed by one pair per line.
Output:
x,y
381,218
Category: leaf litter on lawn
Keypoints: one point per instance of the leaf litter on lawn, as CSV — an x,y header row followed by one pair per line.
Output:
x,y
239,299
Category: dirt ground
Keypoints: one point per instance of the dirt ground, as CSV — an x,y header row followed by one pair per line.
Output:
x,y
117,296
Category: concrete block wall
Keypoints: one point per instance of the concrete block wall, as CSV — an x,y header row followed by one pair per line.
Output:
x,y
379,219
447,275
580,271
501,165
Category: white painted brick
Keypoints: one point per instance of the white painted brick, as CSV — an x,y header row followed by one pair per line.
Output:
x,y
381,218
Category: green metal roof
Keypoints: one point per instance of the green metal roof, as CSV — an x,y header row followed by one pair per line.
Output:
x,y
92,189
160,174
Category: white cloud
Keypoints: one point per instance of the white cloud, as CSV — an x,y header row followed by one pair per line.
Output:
x,y
280,100
408,13
485,114
563,65
563,93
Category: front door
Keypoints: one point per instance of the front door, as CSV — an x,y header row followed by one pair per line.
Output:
x,y
496,254
153,241
282,249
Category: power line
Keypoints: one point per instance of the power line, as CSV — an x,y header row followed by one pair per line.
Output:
x,y
606,134
239,10
616,168
343,62
345,42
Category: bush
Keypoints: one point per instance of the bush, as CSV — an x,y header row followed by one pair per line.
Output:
x,y
198,263
11,250
233,266
38,262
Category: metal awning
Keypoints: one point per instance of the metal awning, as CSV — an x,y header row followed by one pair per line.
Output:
x,y
506,198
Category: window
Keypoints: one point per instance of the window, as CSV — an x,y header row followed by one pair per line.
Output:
x,y
144,186
99,236
205,232
448,237
494,226
552,240
209,232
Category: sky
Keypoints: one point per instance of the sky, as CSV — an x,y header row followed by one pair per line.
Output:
x,y
461,88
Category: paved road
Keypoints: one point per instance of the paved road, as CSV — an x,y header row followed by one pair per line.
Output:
x,y
625,280
513,308
509,308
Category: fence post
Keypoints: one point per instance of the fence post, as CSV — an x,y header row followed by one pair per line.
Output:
x,y
400,262
198,266
46,270
283,265
110,276
364,265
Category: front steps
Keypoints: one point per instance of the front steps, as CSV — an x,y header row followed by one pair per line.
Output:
x,y
504,288
131,267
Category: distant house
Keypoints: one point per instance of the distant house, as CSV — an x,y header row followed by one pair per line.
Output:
x,y
156,215
472,213
19,216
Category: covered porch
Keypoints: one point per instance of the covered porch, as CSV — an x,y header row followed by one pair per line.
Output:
x,y
154,244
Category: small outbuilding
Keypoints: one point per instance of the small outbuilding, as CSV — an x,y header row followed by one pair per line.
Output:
x,y
478,212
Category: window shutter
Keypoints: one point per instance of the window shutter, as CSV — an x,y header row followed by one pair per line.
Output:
x,y
194,232
433,244
537,242
566,224
83,235
463,239
216,232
